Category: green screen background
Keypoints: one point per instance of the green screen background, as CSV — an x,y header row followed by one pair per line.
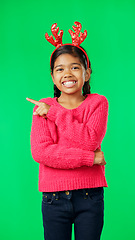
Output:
x,y
25,72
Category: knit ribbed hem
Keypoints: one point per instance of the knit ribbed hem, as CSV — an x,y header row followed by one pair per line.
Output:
x,y
88,160
76,183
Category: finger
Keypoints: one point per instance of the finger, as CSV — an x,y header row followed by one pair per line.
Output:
x,y
34,101
39,111
35,113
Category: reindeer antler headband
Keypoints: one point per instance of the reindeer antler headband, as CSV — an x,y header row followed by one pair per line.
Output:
x,y
76,40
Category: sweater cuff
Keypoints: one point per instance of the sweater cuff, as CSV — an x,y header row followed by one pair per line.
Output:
x,y
52,113
88,160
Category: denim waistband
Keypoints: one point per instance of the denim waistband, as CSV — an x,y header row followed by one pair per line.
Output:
x,y
68,193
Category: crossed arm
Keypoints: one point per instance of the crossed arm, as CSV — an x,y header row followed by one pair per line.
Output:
x,y
46,151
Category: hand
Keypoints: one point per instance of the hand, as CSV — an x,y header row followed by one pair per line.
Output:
x,y
43,108
99,157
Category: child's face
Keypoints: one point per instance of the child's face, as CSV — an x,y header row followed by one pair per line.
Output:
x,y
70,70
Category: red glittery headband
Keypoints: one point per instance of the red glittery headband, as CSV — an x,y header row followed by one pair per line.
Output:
x,y
76,40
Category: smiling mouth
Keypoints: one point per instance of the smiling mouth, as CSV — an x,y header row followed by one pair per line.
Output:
x,y
69,83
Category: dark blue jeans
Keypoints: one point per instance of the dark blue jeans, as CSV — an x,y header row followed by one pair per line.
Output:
x,y
83,207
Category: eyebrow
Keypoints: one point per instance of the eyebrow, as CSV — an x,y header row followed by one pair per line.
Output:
x,y
70,64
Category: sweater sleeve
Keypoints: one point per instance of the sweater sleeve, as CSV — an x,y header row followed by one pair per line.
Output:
x,y
92,131
44,150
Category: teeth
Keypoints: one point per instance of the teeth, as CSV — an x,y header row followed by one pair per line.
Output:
x,y
68,83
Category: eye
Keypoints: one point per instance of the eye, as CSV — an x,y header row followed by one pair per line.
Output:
x,y
76,67
59,69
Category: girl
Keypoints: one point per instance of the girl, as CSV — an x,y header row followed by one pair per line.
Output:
x,y
66,135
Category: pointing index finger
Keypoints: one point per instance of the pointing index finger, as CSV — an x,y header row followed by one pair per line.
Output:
x,y
33,101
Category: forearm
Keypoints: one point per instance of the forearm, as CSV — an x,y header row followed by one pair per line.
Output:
x,y
44,150
55,156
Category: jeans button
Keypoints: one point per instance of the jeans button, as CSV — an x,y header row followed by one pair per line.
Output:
x,y
86,195
67,192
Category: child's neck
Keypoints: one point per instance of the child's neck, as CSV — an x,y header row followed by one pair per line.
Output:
x,y
71,99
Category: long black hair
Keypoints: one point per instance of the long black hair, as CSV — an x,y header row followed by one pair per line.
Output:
x,y
76,52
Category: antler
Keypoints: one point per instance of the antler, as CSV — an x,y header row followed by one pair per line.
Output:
x,y
58,37
76,40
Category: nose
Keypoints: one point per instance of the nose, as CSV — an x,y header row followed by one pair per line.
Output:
x,y
67,74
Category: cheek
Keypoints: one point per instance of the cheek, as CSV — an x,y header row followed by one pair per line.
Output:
x,y
83,75
56,76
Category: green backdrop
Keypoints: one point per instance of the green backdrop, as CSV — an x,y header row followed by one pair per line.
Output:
x,y
25,72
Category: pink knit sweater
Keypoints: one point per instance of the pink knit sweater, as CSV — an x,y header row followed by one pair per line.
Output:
x,y
64,143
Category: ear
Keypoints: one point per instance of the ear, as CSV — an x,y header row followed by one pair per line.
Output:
x,y
87,75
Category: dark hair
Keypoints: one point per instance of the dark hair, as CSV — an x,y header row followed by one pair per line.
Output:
x,y
76,52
